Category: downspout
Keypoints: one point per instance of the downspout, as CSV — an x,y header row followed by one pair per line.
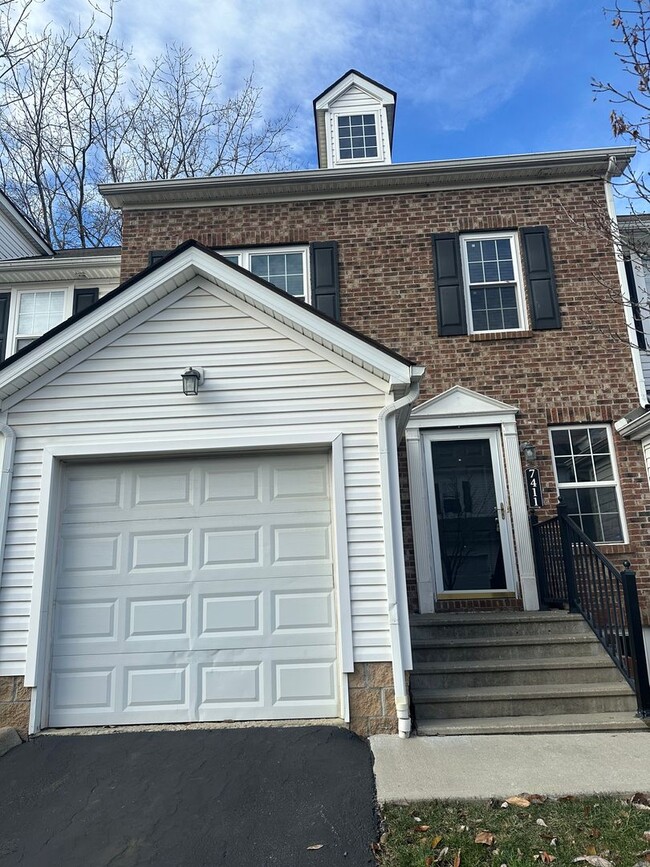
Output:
x,y
398,618
622,279
6,475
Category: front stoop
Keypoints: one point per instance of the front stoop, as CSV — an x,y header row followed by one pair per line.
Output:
x,y
515,672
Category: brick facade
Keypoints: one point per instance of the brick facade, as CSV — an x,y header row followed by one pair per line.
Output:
x,y
581,373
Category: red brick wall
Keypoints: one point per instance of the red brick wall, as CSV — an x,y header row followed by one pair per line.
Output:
x,y
580,373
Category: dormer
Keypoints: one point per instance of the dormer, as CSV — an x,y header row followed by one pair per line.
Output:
x,y
354,123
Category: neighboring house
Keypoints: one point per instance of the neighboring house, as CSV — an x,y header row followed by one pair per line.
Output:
x,y
233,544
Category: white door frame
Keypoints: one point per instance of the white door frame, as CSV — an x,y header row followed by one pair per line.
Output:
x,y
39,642
500,491
460,409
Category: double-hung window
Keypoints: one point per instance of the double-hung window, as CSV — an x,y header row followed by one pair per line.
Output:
x,y
493,282
38,312
286,268
587,480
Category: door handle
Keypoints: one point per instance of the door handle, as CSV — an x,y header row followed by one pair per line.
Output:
x,y
502,511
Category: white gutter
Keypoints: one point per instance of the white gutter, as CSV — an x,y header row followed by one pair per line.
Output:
x,y
612,171
398,618
6,474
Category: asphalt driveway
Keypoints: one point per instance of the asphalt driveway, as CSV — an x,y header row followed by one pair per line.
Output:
x,y
250,797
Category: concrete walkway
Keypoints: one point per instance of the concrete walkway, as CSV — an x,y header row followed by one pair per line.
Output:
x,y
497,766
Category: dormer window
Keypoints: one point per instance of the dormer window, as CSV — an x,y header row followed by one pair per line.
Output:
x,y
354,123
357,136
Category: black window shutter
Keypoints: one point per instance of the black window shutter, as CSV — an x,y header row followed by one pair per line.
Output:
x,y
636,307
325,278
544,307
156,256
5,299
83,298
452,319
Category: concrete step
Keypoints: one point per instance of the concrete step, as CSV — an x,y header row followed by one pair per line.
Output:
x,y
505,647
529,623
535,700
550,724
514,672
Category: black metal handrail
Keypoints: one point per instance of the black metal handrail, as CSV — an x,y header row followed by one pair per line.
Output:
x,y
572,571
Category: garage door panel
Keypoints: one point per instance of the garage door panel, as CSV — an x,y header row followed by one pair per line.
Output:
x,y
195,589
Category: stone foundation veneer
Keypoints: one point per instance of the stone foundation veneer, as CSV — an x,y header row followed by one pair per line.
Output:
x,y
14,704
372,699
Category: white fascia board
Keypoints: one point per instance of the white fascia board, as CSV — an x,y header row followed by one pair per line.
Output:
x,y
175,273
313,183
379,93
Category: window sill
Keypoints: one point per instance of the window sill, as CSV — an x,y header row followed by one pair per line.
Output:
x,y
487,336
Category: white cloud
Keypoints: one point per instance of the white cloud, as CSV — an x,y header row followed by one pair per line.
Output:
x,y
455,61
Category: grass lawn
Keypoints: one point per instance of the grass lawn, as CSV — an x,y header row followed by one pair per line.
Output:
x,y
547,832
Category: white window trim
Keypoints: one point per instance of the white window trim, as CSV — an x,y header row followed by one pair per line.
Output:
x,y
616,481
513,237
12,330
334,137
245,253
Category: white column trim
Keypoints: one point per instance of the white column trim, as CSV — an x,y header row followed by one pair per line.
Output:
x,y
519,513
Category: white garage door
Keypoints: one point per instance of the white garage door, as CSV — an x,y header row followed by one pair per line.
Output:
x,y
195,589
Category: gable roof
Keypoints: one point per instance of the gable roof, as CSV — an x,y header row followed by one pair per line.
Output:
x,y
23,225
188,260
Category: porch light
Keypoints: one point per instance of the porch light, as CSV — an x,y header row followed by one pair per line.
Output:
x,y
192,378
529,452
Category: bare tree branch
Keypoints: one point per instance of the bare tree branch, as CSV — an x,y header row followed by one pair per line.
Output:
x,y
75,111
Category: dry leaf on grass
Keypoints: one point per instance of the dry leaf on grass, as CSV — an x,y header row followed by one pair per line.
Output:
x,y
646,836
422,828
484,837
457,859
315,846
594,860
518,801
435,841
546,858
439,855
541,823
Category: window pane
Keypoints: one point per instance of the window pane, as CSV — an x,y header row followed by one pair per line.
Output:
x,y
357,136
599,443
506,271
612,529
604,468
39,311
511,318
489,250
480,320
580,441
473,251
565,470
495,320
584,470
234,258
561,442
503,248
476,272
284,270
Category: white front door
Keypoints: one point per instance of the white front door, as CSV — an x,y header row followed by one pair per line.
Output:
x,y
195,589
469,509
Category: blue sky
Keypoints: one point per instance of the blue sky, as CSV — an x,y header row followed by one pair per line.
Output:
x,y
474,77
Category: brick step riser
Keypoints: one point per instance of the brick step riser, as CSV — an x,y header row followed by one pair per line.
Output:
x,y
500,630
534,677
523,707
449,653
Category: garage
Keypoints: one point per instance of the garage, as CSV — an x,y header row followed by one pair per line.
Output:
x,y
195,589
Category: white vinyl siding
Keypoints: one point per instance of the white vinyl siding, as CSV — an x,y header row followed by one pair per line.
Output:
x,y
258,380
14,245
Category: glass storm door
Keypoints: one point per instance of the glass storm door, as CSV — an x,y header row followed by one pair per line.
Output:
x,y
471,538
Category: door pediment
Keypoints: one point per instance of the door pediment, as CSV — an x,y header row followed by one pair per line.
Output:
x,y
460,406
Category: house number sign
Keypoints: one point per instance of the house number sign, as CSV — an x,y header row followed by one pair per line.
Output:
x,y
535,496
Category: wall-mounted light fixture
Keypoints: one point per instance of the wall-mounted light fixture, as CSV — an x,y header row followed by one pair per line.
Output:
x,y
192,378
529,452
